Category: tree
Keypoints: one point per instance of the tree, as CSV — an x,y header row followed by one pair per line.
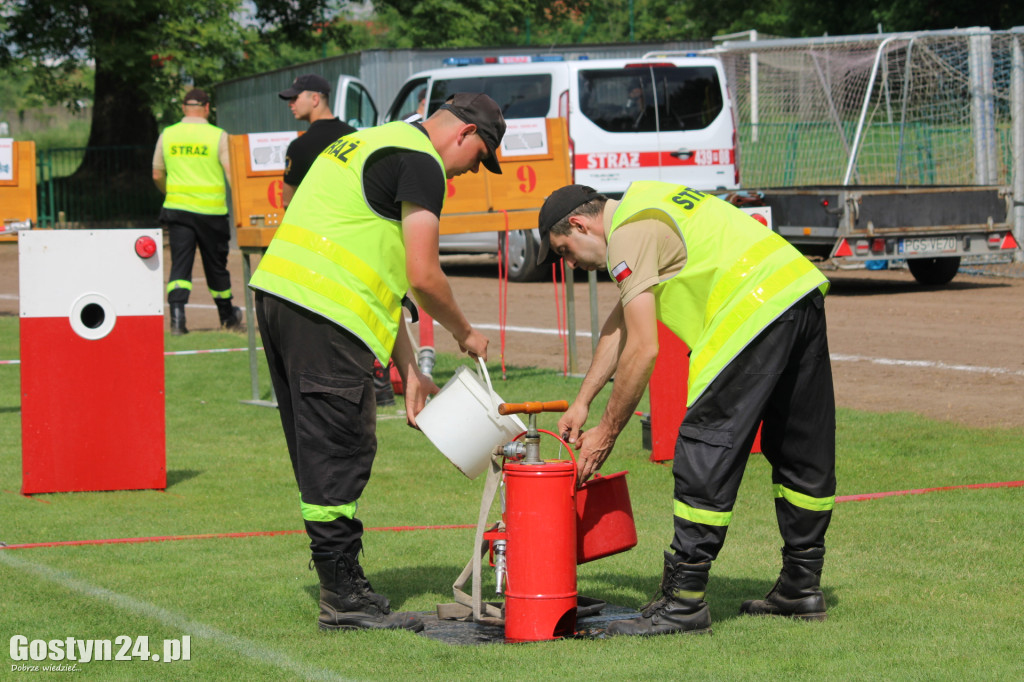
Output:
x,y
141,53
146,52
471,23
916,15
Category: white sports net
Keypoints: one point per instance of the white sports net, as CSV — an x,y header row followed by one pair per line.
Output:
x,y
938,109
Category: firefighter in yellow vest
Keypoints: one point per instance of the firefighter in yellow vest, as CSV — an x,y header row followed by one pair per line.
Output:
x,y
190,166
361,231
751,309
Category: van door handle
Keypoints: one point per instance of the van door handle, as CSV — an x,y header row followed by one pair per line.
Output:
x,y
682,154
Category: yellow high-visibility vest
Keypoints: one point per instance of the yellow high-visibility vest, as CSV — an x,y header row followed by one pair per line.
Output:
x,y
195,178
332,254
738,278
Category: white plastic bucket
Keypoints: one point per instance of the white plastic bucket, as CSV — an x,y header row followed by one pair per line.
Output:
x,y
462,421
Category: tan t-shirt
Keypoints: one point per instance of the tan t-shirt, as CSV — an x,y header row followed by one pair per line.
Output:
x,y
643,252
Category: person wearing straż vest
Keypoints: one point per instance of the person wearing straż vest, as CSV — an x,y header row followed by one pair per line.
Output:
x,y
751,309
361,230
190,166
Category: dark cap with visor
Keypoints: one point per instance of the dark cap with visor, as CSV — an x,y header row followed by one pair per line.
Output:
x,y
196,98
556,207
310,82
483,112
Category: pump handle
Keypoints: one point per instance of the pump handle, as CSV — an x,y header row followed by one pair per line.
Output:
x,y
533,407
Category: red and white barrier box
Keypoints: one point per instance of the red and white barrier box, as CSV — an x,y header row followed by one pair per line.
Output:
x,y
92,365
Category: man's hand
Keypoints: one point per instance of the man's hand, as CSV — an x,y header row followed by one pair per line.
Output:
x,y
571,423
636,361
417,387
475,344
594,447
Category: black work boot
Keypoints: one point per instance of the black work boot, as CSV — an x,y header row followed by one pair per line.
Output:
x,y
178,319
230,316
679,608
348,602
796,593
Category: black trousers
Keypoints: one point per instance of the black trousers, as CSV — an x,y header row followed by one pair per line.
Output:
x,y
784,377
323,378
212,234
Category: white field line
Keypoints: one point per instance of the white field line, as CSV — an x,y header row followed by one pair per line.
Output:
x,y
927,364
245,647
529,330
836,357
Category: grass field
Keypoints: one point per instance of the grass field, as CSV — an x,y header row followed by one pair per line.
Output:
x,y
920,587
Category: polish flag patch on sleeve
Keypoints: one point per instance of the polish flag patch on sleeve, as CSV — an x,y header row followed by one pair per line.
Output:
x,y
621,271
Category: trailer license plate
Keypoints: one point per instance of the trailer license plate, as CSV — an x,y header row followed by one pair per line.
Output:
x,y
923,245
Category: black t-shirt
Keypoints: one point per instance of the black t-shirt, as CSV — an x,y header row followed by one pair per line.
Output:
x,y
304,149
393,175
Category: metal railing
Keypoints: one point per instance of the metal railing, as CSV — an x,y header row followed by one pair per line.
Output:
x,y
97,187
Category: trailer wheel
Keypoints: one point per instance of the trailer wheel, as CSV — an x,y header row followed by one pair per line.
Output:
x,y
522,256
934,271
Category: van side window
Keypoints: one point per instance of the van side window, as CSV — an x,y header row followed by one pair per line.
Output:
x,y
526,96
689,98
360,111
639,100
619,100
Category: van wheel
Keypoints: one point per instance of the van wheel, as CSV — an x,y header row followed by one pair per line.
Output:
x,y
522,256
934,271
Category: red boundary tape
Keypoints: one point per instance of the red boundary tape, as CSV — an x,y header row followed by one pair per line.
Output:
x,y
921,491
167,538
207,536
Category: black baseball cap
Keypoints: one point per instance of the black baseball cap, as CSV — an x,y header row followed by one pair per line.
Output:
x,y
196,97
483,112
557,206
309,81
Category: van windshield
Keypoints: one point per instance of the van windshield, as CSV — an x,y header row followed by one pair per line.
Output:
x,y
526,96
665,98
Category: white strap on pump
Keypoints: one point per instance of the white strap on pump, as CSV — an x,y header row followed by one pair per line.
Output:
x,y
487,613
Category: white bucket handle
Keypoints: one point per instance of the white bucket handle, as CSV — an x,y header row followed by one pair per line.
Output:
x,y
482,371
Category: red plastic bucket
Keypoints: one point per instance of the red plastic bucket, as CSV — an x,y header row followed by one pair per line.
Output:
x,y
604,518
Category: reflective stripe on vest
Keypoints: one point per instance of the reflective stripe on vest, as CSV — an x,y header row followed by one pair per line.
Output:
x,y
738,276
804,501
195,178
332,254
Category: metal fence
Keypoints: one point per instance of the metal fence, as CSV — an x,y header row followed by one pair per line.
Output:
x,y
97,187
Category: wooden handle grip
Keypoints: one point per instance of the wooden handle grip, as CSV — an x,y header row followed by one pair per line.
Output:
x,y
533,407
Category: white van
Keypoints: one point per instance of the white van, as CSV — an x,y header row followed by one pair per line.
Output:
x,y
664,119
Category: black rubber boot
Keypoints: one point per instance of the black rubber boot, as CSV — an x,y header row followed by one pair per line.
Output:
x,y
679,608
348,602
178,319
230,316
797,592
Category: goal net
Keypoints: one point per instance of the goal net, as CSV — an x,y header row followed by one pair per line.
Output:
x,y
929,108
